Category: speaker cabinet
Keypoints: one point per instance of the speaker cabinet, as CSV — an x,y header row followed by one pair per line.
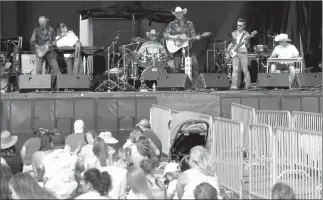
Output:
x,y
34,82
76,82
310,79
273,80
175,82
212,81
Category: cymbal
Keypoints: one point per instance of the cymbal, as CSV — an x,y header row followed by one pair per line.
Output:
x,y
138,39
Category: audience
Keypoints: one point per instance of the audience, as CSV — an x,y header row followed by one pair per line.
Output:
x,y
9,151
5,175
110,142
138,184
72,140
140,150
171,174
205,191
87,150
101,155
95,185
24,186
282,191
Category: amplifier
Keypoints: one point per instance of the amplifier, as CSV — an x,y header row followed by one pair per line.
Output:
x,y
28,64
79,82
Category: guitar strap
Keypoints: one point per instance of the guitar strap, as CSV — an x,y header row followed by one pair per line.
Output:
x,y
241,37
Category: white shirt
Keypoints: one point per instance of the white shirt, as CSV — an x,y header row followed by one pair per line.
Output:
x,y
91,195
119,180
285,52
171,189
243,47
86,151
69,40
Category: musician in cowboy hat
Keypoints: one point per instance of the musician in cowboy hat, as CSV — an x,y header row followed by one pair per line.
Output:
x,y
182,29
285,51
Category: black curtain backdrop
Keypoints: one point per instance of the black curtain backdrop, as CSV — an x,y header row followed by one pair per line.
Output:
x,y
296,18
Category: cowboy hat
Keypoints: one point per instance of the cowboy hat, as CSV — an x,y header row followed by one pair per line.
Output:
x,y
152,33
282,38
7,140
179,10
107,137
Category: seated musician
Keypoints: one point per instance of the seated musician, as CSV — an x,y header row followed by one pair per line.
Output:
x,y
69,40
284,50
152,48
182,29
41,35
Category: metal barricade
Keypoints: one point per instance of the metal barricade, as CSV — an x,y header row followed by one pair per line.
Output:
x,y
260,164
307,120
298,161
246,115
227,152
273,117
159,119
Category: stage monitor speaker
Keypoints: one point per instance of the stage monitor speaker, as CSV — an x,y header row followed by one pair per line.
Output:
x,y
175,82
79,82
34,82
212,81
310,79
273,80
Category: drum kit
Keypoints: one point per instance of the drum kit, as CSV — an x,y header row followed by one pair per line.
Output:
x,y
129,70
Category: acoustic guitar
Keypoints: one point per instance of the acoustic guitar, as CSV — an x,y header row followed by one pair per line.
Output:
x,y
42,50
173,45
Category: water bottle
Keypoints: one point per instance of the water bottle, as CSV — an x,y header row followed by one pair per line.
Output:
x,y
154,87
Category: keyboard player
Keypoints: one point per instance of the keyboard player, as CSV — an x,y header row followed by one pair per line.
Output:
x,y
69,40
284,51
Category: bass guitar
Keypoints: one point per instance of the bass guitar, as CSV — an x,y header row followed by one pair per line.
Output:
x,y
232,52
173,45
42,50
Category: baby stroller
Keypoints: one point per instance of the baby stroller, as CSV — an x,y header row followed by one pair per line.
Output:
x,y
186,135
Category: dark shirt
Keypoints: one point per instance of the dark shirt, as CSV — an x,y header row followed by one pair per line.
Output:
x,y
32,145
154,138
73,139
41,35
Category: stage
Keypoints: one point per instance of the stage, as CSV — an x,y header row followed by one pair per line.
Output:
x,y
118,112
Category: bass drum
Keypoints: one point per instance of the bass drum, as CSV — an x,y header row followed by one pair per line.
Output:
x,y
152,75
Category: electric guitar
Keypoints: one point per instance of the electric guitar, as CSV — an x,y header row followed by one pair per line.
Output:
x,y
42,50
173,45
232,52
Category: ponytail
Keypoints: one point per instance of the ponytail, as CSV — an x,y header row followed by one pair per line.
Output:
x,y
101,182
105,184
148,165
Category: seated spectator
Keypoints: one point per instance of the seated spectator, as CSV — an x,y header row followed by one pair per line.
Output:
x,y
72,140
156,186
9,151
282,191
146,131
101,155
202,170
95,185
110,141
29,148
118,172
37,157
140,150
87,150
171,174
138,184
205,191
60,166
5,175
24,186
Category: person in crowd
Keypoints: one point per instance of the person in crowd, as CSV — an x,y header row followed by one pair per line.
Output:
x,y
69,40
284,50
73,140
87,150
5,175
171,174
101,155
140,150
156,186
29,148
3,162
110,142
95,185
24,186
59,167
37,157
205,191
282,191
202,169
118,172
149,133
9,151
138,184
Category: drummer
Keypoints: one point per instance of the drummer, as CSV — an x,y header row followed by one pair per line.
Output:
x,y
152,49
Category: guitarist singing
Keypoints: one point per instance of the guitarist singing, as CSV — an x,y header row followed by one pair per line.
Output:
x,y
182,29
239,36
41,35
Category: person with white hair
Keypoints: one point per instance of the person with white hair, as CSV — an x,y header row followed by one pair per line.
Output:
x,y
72,140
284,50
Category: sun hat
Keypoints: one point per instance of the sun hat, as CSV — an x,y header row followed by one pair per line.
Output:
x,y
179,10
282,38
107,137
7,140
171,167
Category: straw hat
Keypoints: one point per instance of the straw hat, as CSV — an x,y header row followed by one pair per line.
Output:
x,y
107,137
7,140
179,10
282,38
152,33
